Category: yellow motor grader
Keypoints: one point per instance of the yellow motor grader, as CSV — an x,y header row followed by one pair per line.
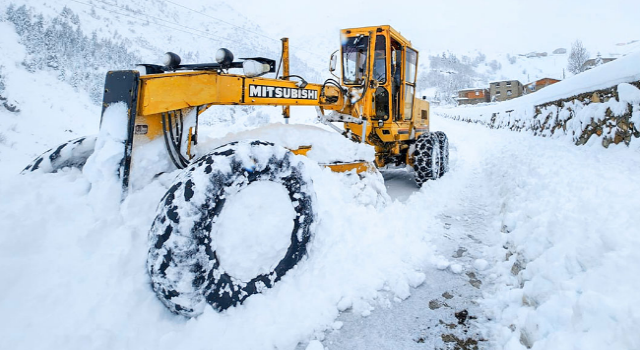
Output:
x,y
161,105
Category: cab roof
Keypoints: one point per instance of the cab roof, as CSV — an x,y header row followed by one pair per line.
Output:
x,y
377,29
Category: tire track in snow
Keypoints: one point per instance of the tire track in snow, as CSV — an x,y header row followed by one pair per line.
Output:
x,y
467,217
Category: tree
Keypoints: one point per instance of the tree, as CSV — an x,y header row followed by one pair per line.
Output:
x,y
599,60
577,57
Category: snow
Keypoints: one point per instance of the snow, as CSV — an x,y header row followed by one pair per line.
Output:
x,y
554,228
575,115
628,93
575,240
243,252
622,70
456,268
327,146
46,118
96,294
315,345
480,264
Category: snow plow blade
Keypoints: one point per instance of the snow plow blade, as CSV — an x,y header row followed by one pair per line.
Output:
x,y
122,87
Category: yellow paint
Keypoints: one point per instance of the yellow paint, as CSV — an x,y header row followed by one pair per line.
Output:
x,y
172,91
302,150
161,93
153,123
359,167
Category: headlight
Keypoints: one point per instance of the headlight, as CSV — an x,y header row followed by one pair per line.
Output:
x,y
224,57
171,60
254,68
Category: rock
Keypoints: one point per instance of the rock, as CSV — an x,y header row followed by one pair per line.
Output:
x,y
447,295
462,316
435,304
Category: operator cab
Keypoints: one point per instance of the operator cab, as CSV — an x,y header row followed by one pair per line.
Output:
x,y
379,64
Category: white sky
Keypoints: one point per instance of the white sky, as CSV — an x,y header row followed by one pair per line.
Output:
x,y
512,26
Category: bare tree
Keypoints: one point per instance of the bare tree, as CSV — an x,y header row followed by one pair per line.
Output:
x,y
577,57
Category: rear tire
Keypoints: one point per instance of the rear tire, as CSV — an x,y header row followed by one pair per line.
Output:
x,y
184,267
443,140
426,160
71,154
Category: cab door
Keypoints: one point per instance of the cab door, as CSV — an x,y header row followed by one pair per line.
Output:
x,y
381,99
409,91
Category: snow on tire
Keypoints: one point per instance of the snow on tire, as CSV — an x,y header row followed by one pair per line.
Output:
x,y
72,154
426,162
444,151
184,266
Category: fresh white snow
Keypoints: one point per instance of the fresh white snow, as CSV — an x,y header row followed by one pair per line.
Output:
x,y
252,246
75,272
549,229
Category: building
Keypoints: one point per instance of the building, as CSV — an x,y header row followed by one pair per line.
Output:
x,y
505,90
472,96
593,62
539,84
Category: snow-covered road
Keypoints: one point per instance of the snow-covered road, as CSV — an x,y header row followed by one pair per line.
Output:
x,y
466,225
526,222
537,238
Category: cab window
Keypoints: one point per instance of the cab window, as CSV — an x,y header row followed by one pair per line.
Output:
x,y
380,60
354,59
411,60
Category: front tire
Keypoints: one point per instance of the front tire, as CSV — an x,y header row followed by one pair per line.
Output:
x,y
183,264
426,160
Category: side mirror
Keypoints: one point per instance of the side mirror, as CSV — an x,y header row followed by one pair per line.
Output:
x,y
333,62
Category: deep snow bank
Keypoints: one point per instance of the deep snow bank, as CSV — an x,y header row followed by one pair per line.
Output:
x,y
51,111
74,267
601,102
564,273
327,146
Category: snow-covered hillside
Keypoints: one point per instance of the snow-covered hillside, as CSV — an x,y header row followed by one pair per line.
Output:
x,y
193,29
601,102
483,68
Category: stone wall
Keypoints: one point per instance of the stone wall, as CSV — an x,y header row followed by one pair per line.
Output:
x,y
604,114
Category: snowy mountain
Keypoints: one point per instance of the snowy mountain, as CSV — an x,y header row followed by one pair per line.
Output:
x,y
61,49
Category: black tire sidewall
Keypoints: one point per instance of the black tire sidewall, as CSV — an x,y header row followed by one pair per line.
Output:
x,y
196,257
53,160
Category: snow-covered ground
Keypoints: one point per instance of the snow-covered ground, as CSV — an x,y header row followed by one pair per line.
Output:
x,y
75,276
536,238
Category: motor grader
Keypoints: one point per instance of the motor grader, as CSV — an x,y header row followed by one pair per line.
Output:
x,y
149,126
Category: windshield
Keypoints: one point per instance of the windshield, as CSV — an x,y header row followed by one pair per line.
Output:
x,y
354,59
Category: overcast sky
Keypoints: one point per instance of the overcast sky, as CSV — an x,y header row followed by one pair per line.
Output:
x,y
512,26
